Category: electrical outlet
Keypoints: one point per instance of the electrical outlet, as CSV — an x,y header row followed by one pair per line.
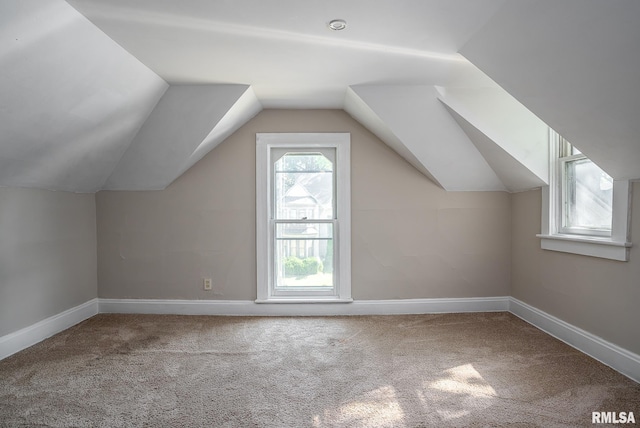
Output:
x,y
207,283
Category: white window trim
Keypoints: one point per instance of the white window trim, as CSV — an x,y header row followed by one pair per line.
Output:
x,y
342,233
614,247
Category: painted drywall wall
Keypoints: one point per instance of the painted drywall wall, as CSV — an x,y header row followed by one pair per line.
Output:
x,y
410,238
600,296
48,258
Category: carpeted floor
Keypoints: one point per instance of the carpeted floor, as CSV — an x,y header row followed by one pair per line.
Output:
x,y
489,369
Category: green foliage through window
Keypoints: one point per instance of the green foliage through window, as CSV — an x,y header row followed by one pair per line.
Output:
x,y
294,266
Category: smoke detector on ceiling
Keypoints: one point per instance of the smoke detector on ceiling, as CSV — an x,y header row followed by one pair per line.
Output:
x,y
337,24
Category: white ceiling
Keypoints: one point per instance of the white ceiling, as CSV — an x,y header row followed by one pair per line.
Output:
x,y
94,94
71,99
284,49
576,65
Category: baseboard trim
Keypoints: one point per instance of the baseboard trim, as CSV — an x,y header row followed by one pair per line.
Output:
x,y
29,336
251,308
620,359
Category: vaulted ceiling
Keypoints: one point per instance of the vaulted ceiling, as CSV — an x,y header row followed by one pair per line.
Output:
x,y
129,94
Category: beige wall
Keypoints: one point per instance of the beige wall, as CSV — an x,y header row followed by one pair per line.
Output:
x,y
410,239
47,254
597,295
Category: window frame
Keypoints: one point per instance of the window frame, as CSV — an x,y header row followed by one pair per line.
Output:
x,y
265,221
563,152
554,236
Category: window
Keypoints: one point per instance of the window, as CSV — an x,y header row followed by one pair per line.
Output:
x,y
584,210
303,217
586,194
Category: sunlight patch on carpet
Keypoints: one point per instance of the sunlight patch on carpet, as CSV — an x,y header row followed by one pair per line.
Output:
x,y
466,380
379,408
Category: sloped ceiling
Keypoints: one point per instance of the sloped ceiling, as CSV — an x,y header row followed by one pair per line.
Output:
x,y
121,94
71,99
80,113
576,65
283,48
509,171
185,119
414,115
515,148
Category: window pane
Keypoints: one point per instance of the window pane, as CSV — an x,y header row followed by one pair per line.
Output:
x,y
589,196
304,255
303,187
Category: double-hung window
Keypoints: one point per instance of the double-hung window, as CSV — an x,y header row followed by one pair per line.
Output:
x,y
586,194
585,211
303,217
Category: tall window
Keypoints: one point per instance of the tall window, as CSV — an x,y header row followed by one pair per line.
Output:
x,y
303,217
584,210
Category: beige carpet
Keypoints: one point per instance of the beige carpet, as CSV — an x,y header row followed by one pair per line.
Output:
x,y
376,371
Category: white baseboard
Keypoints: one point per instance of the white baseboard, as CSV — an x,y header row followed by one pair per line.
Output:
x,y
28,336
251,308
618,358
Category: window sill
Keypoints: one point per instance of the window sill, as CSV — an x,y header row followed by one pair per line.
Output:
x,y
304,300
587,246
